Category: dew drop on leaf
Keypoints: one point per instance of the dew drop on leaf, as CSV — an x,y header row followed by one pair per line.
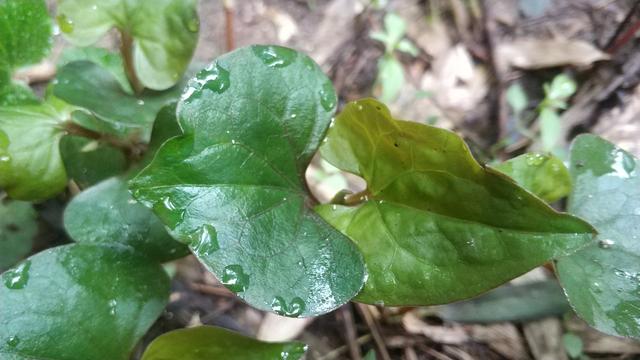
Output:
x,y
327,97
204,241
113,303
65,24
606,243
274,56
193,25
535,159
294,309
17,277
234,278
13,341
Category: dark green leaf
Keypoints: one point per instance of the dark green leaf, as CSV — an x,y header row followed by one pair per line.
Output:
x,y
436,226
107,214
94,88
18,226
30,164
602,281
108,60
165,32
206,342
79,302
89,161
233,186
543,175
25,33
13,93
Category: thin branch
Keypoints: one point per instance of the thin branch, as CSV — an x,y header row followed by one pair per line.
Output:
x,y
228,17
375,331
132,149
346,315
126,50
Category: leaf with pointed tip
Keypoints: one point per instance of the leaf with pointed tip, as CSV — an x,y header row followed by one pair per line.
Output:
x,y
88,161
436,226
100,300
108,60
88,85
233,185
543,175
25,33
207,342
164,32
18,226
107,214
602,281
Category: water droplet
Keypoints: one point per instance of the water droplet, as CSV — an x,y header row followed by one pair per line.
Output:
x,y
535,159
274,56
294,309
606,243
327,96
360,107
94,7
214,77
234,278
13,341
293,116
334,207
204,241
168,211
5,158
17,277
168,204
194,24
65,24
596,287
623,164
113,303
233,142
140,102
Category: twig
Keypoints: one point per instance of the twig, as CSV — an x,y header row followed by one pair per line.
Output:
x,y
126,50
346,315
212,290
375,331
133,150
335,353
619,39
228,17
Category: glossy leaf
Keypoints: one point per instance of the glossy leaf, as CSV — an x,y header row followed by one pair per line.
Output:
x,y
25,33
164,32
94,88
436,226
108,60
30,164
18,226
602,281
78,302
233,185
543,175
88,161
107,214
206,342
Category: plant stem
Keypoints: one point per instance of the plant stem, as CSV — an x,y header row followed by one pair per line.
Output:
x,y
126,50
132,149
228,17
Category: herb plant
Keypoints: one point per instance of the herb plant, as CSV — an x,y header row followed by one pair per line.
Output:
x,y
215,166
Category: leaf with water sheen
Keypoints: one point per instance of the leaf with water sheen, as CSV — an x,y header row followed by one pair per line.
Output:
x,y
90,86
437,226
107,214
543,175
30,164
602,281
79,302
18,226
207,342
164,32
108,60
233,185
88,161
25,33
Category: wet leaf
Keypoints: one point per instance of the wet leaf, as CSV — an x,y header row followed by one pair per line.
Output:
x,y
164,33
436,226
18,226
233,185
99,300
107,214
94,88
30,164
108,60
88,161
543,175
602,281
25,33
207,342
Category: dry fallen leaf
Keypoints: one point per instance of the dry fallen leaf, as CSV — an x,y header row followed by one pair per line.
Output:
x,y
279,328
543,53
444,334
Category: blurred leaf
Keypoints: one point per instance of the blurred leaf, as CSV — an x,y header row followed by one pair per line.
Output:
x,y
164,32
25,33
206,342
407,46
428,227
88,162
540,53
395,27
379,36
561,88
79,302
510,303
13,93
543,175
108,60
602,280
107,214
572,344
18,226
371,355
550,129
517,98
390,78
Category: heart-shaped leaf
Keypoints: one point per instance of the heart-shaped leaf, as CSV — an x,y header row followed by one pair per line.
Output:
x,y
602,281
543,175
206,342
164,32
108,60
25,33
18,226
107,214
88,161
233,185
436,226
30,164
78,302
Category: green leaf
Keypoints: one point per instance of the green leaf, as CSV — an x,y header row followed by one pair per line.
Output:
x,y
94,88
550,129
18,226
78,302
602,281
164,32
517,98
559,90
108,60
30,164
390,77
436,226
25,33
543,175
573,345
206,342
407,46
233,185
107,214
14,93
395,27
88,161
